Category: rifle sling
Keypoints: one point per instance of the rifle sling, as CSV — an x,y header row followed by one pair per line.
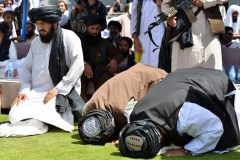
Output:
x,y
173,39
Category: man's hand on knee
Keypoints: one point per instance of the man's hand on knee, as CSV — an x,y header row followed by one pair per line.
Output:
x,y
51,94
88,70
113,65
20,97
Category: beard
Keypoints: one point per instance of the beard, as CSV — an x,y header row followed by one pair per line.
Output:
x,y
124,53
93,40
49,36
234,20
29,35
113,35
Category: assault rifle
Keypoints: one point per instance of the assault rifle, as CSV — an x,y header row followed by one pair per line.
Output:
x,y
171,12
185,5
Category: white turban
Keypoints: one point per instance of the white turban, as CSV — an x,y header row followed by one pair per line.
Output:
x,y
17,3
229,20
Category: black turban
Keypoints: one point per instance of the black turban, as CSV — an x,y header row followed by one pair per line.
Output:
x,y
4,27
129,41
49,14
115,23
106,122
93,19
144,131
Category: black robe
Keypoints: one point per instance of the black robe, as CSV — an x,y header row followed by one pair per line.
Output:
x,y
205,87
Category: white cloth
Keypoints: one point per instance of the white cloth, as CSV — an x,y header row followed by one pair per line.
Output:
x,y
229,20
125,21
237,105
33,108
7,9
149,10
34,4
23,128
223,12
36,82
233,45
130,7
18,64
14,33
206,131
17,3
64,18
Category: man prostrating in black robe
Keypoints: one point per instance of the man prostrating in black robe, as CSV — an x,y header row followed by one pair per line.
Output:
x,y
190,108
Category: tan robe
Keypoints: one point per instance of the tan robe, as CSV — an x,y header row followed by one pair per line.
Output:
x,y
114,95
206,51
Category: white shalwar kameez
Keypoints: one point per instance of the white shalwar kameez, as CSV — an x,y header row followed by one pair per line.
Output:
x,y
36,82
149,10
206,51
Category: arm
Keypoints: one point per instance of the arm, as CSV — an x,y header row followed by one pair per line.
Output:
x,y
12,55
133,28
211,3
165,5
64,19
12,52
75,55
113,53
116,57
73,14
133,23
26,75
19,63
206,131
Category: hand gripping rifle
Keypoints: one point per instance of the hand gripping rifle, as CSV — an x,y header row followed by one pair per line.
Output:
x,y
171,12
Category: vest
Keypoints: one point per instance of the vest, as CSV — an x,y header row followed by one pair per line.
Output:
x,y
205,87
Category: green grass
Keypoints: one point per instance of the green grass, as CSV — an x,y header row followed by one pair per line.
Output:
x,y
59,145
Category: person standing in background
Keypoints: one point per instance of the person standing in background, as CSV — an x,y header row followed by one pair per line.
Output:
x,y
143,13
199,43
64,22
118,7
96,7
233,20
